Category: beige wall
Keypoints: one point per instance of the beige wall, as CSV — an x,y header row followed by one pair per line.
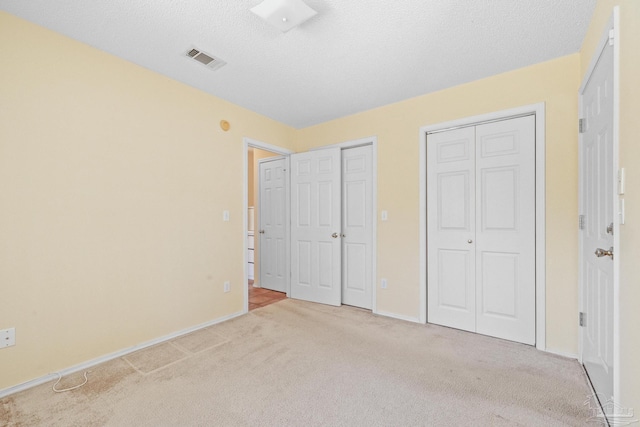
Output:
x,y
630,160
113,180
397,128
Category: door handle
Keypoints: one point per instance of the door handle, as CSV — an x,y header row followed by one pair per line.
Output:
x,y
610,229
603,252
469,241
334,235
261,231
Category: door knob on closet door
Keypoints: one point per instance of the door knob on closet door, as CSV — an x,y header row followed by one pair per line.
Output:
x,y
469,241
261,231
334,235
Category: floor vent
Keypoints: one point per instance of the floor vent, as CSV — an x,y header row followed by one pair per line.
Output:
x,y
209,60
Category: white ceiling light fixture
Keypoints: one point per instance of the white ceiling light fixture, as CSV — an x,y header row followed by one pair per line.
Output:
x,y
284,14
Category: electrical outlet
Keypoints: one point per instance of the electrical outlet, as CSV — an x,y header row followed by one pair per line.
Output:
x,y
383,283
227,286
7,337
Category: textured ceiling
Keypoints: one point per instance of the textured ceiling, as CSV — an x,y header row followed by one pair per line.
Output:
x,y
352,56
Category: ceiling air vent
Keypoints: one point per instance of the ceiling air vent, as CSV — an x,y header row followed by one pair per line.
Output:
x,y
206,59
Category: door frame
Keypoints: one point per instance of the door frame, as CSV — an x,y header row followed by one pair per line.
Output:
x,y
373,141
254,143
612,25
539,111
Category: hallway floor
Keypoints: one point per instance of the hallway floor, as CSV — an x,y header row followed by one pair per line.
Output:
x,y
260,297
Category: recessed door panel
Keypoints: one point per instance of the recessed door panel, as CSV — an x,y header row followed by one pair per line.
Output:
x,y
355,262
499,189
453,201
499,284
454,281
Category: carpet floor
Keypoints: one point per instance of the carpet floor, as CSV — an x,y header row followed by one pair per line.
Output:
x,y
294,363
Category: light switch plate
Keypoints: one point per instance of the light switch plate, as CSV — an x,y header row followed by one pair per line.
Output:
x,y
225,215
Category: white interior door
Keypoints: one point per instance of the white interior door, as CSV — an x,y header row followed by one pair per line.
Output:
x,y
505,229
451,229
597,200
357,226
481,229
316,226
272,224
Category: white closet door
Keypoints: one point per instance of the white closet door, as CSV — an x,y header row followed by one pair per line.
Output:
x,y
451,228
357,226
505,229
481,229
316,226
272,229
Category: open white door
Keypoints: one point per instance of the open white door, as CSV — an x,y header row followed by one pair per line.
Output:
x,y
597,225
316,226
272,224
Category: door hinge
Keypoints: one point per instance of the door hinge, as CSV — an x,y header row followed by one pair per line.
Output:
x,y
583,319
611,37
582,125
580,222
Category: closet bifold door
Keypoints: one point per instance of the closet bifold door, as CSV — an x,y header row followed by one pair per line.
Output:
x,y
451,229
481,229
505,229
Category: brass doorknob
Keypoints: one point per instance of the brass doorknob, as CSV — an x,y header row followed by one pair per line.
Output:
x,y
334,235
603,252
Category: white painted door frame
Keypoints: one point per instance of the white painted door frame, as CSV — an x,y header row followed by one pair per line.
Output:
x,y
612,29
373,141
539,111
253,143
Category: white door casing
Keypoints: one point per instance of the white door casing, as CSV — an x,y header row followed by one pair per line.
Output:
x,y
272,223
316,226
597,199
481,229
451,228
357,226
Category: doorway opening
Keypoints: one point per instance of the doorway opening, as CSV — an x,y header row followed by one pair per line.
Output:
x,y
256,295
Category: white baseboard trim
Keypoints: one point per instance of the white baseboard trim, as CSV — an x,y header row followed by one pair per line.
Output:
x,y
561,353
397,316
93,362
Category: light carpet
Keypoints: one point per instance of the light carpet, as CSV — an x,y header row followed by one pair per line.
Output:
x,y
301,364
